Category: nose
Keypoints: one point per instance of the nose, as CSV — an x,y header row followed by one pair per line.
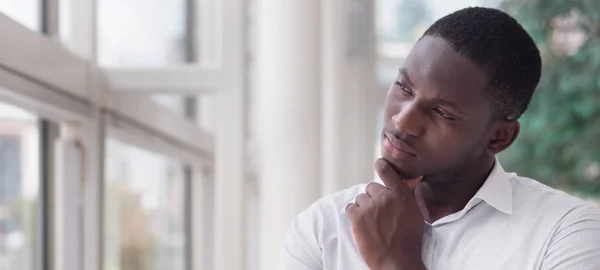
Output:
x,y
409,120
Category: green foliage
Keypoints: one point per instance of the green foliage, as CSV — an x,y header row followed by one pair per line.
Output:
x,y
559,142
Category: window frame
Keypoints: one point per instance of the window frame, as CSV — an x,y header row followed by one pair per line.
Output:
x,y
61,83
208,69
47,135
77,91
73,91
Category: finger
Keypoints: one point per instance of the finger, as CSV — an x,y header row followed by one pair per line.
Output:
x,y
412,183
373,189
362,199
351,210
388,175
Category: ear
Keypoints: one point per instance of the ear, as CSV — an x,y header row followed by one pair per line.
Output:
x,y
504,134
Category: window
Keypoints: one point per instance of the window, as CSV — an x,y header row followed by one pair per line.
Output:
x,y
145,33
19,189
26,12
144,211
141,32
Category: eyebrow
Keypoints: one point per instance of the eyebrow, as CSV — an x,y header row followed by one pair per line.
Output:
x,y
405,75
446,102
450,104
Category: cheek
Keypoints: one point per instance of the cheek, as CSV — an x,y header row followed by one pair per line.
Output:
x,y
444,147
450,147
391,108
394,101
448,143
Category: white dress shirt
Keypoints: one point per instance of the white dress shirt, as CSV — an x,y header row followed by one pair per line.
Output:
x,y
512,222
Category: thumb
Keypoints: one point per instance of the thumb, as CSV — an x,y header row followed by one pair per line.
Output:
x,y
387,174
413,182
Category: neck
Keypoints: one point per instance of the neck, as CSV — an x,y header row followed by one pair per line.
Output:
x,y
449,192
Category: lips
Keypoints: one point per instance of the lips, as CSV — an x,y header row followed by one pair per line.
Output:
x,y
400,144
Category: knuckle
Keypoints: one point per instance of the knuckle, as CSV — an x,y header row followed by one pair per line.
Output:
x,y
374,188
363,200
370,187
351,211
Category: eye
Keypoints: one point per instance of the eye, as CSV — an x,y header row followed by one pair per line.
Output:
x,y
403,87
443,114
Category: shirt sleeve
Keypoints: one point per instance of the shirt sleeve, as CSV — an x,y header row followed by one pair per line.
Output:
x,y
576,243
301,249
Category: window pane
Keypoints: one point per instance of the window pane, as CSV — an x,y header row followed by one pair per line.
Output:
x,y
26,12
19,183
141,32
144,210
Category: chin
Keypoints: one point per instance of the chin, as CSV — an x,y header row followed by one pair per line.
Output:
x,y
405,168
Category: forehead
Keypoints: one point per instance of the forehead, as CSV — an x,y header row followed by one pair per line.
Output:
x,y
438,71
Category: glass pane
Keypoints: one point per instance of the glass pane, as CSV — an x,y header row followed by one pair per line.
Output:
x,y
64,20
26,12
19,183
141,32
143,210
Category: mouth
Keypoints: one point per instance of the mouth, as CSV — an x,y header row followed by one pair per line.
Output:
x,y
397,147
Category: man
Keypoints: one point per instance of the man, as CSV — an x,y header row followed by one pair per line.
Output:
x,y
447,203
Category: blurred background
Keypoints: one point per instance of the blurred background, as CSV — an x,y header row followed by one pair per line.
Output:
x,y
186,134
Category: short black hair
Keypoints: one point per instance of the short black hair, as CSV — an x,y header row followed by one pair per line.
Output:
x,y
499,45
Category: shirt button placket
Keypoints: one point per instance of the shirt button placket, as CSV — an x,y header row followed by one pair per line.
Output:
x,y
433,247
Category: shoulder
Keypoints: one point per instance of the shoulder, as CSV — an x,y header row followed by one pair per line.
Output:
x,y
332,205
316,225
534,198
572,224
321,219
530,190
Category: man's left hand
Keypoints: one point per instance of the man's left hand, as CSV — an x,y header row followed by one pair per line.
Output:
x,y
387,223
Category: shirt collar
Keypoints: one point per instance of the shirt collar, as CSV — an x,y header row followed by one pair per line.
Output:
x,y
496,191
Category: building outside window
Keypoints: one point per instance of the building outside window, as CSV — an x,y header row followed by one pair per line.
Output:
x,y
19,188
143,210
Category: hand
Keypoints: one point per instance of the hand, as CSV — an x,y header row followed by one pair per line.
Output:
x,y
387,223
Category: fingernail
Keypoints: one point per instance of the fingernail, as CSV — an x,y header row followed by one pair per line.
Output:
x,y
382,165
